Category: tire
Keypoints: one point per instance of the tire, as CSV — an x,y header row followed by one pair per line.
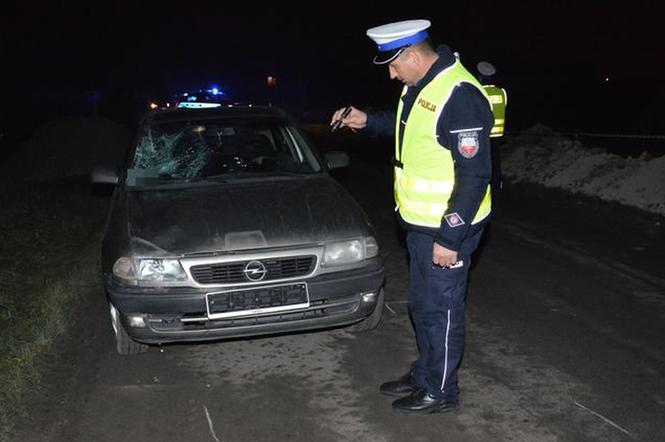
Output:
x,y
124,344
373,320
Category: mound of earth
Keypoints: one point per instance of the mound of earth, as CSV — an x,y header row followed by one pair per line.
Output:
x,y
67,147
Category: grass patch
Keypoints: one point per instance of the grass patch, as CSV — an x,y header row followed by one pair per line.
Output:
x,y
49,259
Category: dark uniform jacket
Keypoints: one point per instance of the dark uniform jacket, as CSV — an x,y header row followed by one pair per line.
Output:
x,y
466,110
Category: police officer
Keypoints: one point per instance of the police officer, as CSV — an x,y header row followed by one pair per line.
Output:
x,y
442,173
499,100
497,95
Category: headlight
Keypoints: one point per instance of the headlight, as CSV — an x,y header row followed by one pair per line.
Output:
x,y
149,271
349,252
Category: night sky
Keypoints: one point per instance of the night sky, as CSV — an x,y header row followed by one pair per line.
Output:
x,y
322,58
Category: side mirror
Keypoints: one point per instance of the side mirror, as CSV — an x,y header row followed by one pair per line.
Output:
x,y
336,159
104,175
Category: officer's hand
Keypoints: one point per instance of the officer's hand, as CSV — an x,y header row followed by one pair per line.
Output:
x,y
357,119
443,257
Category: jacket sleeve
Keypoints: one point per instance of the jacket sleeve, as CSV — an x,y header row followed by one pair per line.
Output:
x,y
464,127
380,123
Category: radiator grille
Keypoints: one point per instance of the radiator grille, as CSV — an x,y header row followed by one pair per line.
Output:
x,y
233,272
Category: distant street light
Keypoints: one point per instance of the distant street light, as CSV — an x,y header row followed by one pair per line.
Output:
x,y
271,81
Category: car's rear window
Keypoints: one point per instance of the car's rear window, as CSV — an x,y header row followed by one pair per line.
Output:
x,y
188,150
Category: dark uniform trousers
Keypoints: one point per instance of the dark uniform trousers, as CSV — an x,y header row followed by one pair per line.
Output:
x,y
437,306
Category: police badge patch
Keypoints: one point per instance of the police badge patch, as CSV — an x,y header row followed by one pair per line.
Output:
x,y
467,143
454,220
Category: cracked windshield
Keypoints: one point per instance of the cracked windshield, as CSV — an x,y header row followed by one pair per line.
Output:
x,y
207,149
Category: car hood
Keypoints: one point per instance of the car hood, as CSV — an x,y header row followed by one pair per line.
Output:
x,y
242,216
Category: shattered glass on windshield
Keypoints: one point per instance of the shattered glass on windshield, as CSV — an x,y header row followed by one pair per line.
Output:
x,y
191,150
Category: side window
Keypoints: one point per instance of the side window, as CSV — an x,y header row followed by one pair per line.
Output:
x,y
305,154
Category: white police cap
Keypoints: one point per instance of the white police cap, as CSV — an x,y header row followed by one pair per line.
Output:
x,y
393,38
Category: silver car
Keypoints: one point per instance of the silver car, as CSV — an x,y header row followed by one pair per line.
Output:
x,y
225,222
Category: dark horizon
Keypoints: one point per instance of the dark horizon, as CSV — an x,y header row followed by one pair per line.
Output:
x,y
559,63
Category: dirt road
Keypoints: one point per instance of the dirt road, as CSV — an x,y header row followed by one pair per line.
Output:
x,y
565,325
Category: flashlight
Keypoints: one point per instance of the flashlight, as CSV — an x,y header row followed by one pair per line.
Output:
x,y
337,123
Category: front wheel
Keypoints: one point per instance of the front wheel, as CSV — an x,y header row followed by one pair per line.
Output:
x,y
124,344
373,320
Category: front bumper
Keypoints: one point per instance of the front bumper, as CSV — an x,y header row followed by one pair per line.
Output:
x,y
161,315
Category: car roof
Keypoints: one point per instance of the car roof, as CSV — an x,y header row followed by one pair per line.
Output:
x,y
228,111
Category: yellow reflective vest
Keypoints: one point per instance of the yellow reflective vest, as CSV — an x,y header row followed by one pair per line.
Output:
x,y
499,99
425,174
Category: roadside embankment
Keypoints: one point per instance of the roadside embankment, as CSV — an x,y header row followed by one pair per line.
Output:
x,y
50,225
560,162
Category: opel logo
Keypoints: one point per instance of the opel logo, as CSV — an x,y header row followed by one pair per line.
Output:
x,y
255,271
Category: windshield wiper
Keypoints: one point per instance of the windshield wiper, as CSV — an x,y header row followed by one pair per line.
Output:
x,y
219,177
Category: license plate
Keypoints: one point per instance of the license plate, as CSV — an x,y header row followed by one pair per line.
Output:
x,y
257,300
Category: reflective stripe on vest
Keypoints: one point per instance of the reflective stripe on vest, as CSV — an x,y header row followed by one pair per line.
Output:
x,y
426,186
499,99
425,182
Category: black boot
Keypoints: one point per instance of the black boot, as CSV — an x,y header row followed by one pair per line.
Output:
x,y
421,402
401,387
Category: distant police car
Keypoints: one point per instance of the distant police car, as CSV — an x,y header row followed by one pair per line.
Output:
x,y
226,223
199,99
203,99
